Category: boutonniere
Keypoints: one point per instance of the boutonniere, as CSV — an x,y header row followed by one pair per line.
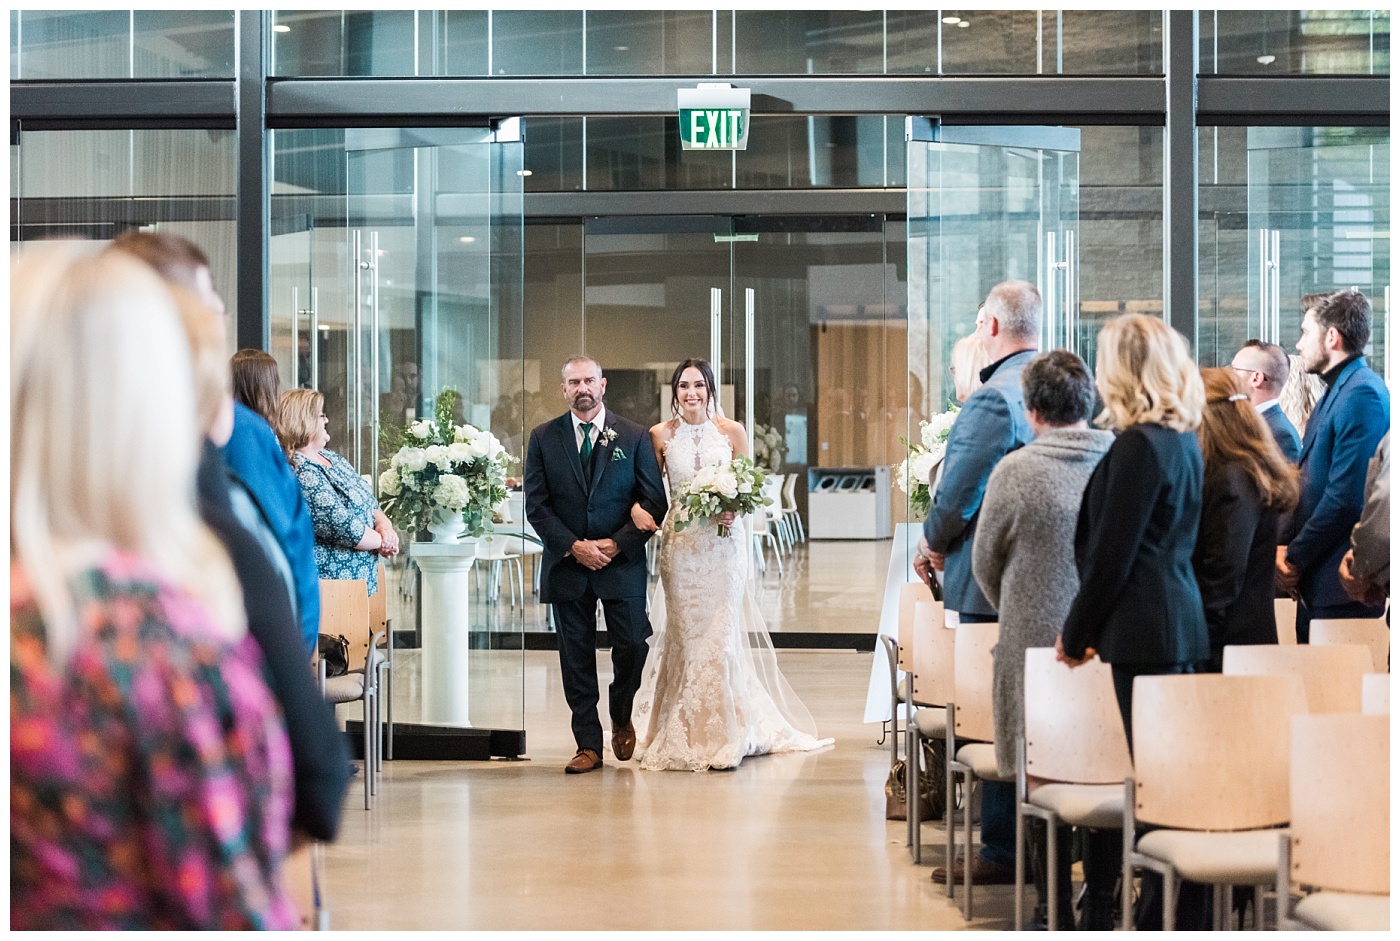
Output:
x,y
607,436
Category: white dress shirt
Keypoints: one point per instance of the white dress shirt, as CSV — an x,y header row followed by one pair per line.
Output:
x,y
1263,407
593,435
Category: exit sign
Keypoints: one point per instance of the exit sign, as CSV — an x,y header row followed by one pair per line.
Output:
x,y
714,117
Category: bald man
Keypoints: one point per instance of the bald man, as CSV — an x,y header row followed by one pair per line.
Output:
x,y
1264,369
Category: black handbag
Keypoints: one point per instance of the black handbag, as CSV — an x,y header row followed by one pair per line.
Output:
x,y
334,651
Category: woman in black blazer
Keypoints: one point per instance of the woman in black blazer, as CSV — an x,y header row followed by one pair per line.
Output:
x,y
1248,484
1138,606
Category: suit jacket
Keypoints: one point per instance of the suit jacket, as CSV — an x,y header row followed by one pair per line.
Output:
x,y
1284,433
1138,602
991,424
1370,538
566,502
1234,559
1343,432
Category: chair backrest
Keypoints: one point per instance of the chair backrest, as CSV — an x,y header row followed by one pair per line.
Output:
x,y
1331,675
972,680
1286,620
345,611
790,492
1340,797
773,490
1373,633
493,546
1375,694
1210,752
1073,729
932,656
910,594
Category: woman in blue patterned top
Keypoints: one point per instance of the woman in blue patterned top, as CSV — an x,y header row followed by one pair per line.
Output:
x,y
351,531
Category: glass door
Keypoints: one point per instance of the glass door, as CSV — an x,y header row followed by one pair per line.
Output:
x,y
987,204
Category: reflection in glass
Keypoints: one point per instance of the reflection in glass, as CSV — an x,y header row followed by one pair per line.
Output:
x,y
649,42
1295,42
113,44
808,42
537,42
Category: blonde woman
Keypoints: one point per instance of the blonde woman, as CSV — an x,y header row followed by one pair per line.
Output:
x,y
969,358
1138,606
150,778
1300,393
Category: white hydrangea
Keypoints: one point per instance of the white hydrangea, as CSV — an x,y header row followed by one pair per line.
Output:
x,y
390,483
436,454
459,453
901,475
452,492
934,432
414,459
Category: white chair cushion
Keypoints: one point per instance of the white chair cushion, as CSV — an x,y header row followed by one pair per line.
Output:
x,y
981,757
1248,857
1344,911
1099,806
347,688
931,722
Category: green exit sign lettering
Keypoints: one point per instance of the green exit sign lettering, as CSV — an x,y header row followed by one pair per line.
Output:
x,y
713,116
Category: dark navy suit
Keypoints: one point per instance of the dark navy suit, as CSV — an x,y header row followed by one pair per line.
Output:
x,y
1284,433
566,501
1342,434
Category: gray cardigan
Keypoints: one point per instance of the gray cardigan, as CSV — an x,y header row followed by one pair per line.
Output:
x,y
1023,557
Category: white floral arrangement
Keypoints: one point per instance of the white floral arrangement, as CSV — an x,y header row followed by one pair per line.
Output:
x,y
769,448
914,472
444,466
735,486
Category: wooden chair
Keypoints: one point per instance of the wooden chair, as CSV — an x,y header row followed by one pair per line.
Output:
x,y
930,688
1375,694
1339,838
1075,749
1286,620
1331,675
345,612
970,719
1211,772
910,594
899,649
1373,633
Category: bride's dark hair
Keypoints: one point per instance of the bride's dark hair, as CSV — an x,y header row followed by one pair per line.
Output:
x,y
710,389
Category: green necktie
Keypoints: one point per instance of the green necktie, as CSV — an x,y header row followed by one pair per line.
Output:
x,y
585,451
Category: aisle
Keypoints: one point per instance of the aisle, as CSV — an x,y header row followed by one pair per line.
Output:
x,y
784,842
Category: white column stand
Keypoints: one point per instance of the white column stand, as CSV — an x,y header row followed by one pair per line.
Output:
x,y
446,629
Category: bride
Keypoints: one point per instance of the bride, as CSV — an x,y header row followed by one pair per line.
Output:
x,y
712,693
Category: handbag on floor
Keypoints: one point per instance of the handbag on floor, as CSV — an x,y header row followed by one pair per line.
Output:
x,y
932,783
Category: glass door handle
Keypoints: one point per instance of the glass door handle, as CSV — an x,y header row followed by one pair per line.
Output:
x,y
374,360
748,362
310,313
1071,294
716,335
1059,306
355,375
1269,285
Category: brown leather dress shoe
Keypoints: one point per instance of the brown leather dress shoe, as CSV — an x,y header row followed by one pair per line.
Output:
x,y
624,740
586,760
983,873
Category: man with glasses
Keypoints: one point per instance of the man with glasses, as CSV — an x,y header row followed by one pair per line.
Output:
x,y
1264,368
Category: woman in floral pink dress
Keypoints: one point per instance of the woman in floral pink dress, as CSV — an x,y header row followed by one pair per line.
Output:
x,y
150,778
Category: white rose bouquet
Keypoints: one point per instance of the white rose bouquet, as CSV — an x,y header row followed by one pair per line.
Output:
x,y
443,466
732,487
913,473
768,448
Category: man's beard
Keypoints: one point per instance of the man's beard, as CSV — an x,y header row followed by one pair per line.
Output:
x,y
584,402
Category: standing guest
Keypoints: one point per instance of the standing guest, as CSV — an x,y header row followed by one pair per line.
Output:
x,y
1342,435
1300,394
256,459
1365,569
1264,368
1023,557
1247,485
969,358
351,531
992,424
150,777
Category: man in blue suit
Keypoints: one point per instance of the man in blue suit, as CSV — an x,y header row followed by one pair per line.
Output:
x,y
1342,434
990,426
583,472
1264,369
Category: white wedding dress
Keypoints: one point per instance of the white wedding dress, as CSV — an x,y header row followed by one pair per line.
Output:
x,y
712,693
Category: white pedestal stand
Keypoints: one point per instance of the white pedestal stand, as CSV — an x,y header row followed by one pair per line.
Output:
x,y
446,628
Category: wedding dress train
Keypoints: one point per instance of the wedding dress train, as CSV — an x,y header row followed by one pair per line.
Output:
x,y
712,693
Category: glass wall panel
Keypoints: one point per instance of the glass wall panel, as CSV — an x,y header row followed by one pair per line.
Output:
x,y
537,42
1295,42
96,184
808,42
984,42
650,42
1287,212
1107,42
459,39
554,155
911,44
108,44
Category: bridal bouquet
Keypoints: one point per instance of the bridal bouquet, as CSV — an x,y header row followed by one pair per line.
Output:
x,y
446,467
768,448
735,486
913,474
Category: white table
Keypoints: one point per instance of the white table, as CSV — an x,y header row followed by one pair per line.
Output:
x,y
446,628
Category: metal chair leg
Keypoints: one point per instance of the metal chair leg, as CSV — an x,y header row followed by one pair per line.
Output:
x,y
1052,875
369,748
1168,898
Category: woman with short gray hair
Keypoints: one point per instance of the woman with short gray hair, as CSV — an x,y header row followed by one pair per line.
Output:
x,y
1023,557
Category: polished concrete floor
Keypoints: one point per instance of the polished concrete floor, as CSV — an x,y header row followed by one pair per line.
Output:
x,y
784,842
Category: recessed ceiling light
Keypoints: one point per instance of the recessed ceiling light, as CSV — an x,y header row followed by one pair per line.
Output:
x,y
621,48
524,172
281,28
1265,60
467,239
952,20
964,24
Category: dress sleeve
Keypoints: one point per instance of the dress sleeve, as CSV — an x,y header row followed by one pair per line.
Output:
x,y
1132,480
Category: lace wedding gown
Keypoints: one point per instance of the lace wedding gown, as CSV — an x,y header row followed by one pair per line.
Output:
x,y
712,693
